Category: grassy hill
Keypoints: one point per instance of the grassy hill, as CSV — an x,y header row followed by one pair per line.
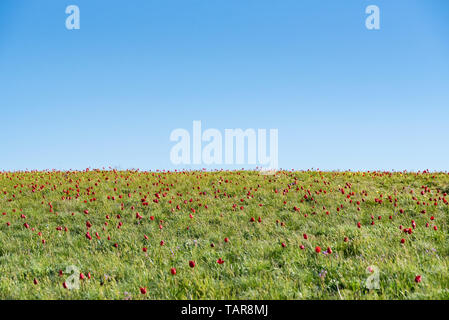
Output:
x,y
223,235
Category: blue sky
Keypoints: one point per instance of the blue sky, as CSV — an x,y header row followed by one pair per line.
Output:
x,y
109,94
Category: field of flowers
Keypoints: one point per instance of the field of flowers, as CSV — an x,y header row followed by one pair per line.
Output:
x,y
106,234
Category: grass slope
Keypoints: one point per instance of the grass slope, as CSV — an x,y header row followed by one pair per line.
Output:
x,y
192,210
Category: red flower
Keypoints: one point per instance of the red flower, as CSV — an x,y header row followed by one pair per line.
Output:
x,y
220,261
418,279
317,249
143,290
192,264
173,271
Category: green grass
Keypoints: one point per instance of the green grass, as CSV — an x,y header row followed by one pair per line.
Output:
x,y
256,265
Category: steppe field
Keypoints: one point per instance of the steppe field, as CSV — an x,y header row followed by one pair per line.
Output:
x,y
106,234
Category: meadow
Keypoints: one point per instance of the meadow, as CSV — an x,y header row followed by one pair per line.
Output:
x,y
107,234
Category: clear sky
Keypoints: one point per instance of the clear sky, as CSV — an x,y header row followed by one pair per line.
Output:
x,y
110,94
